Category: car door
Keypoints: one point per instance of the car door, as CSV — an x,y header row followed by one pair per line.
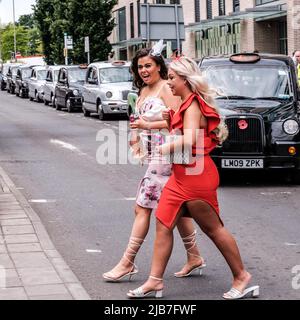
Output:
x,y
31,85
47,86
18,81
60,87
90,88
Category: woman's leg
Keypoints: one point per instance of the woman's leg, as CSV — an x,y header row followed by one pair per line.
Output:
x,y
211,225
138,233
163,246
188,234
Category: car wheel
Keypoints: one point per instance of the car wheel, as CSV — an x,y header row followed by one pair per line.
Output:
x,y
30,98
69,105
46,103
17,94
86,113
52,100
101,114
37,98
296,177
56,106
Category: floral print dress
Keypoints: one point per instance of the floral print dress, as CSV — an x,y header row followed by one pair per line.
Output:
x,y
159,170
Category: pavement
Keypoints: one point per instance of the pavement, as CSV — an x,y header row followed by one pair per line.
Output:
x,y
30,266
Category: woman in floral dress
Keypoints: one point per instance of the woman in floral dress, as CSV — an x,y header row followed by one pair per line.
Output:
x,y
150,77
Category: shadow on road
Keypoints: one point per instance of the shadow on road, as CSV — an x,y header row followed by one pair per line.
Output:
x,y
256,179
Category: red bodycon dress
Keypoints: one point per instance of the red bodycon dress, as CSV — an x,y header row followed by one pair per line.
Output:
x,y
183,187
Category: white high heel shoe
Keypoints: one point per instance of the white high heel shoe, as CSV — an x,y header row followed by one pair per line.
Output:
x,y
140,294
133,242
234,294
191,241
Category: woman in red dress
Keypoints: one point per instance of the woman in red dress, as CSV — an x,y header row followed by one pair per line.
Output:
x,y
193,186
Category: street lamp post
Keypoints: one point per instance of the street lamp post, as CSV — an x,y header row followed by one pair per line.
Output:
x,y
15,36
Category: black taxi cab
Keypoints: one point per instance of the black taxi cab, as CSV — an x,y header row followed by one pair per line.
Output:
x,y
69,87
259,99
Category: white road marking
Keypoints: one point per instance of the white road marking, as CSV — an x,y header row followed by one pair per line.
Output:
x,y
67,146
275,193
93,251
41,201
291,244
130,199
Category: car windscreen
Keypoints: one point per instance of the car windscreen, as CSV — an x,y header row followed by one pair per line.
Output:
x,y
56,73
113,75
5,69
26,73
251,81
14,71
76,75
41,74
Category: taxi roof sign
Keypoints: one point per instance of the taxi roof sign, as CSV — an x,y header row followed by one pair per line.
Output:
x,y
118,63
245,57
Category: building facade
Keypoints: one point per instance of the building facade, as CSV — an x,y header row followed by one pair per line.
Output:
x,y
214,27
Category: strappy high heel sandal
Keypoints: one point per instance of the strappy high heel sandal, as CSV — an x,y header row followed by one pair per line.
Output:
x,y
191,241
140,294
129,253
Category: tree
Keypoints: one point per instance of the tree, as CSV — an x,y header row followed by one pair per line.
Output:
x,y
77,18
7,40
26,20
43,17
91,18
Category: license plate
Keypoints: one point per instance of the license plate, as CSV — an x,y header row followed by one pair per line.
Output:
x,y
242,163
124,107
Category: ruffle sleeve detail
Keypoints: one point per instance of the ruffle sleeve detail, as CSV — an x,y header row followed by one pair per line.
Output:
x,y
213,118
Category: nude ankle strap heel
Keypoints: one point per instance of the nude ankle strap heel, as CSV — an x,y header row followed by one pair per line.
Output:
x,y
129,253
189,243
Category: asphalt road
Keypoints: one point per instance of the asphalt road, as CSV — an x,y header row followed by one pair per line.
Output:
x,y
87,208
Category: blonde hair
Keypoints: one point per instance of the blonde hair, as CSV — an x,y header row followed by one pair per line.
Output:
x,y
187,68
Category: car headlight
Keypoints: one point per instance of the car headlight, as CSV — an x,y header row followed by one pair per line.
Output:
x,y
24,84
4,78
76,92
109,94
291,126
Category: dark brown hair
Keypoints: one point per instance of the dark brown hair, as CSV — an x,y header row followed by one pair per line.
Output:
x,y
159,60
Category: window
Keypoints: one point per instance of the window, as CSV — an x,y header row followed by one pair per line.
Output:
x,y
197,11
236,5
222,11
160,1
139,16
259,2
209,9
174,1
122,24
131,21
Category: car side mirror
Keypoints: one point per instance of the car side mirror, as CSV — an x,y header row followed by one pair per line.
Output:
x,y
92,81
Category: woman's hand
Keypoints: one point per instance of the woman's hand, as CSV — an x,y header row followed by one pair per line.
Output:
x,y
166,115
139,124
163,149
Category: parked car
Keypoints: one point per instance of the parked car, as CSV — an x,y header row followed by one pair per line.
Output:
x,y
260,103
69,87
11,78
106,88
22,77
36,83
49,86
3,76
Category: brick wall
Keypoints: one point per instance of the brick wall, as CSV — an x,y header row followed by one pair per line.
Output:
x,y
293,25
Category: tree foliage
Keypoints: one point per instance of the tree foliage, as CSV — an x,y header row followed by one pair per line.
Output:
x,y
77,18
27,36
